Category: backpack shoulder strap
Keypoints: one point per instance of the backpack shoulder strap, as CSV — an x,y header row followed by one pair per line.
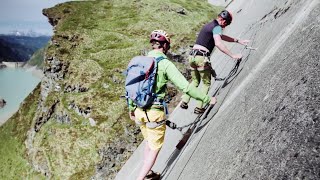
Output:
x,y
158,59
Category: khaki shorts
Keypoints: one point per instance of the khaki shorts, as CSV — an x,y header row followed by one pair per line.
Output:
x,y
155,137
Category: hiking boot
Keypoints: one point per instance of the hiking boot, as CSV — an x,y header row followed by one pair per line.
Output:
x,y
219,79
152,176
199,110
184,105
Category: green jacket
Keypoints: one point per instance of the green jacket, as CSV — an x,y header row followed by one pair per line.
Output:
x,y
167,71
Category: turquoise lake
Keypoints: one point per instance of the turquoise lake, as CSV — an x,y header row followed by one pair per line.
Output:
x,y
15,85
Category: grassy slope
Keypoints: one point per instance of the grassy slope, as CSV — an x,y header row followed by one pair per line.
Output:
x,y
12,136
37,58
112,33
97,39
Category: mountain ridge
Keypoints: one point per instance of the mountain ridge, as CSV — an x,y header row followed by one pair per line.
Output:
x,y
20,48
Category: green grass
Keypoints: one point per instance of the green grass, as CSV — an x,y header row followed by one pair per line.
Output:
x,y
96,40
37,58
14,164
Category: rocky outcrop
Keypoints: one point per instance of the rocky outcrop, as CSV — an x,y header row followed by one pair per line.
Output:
x,y
45,116
113,155
2,102
53,17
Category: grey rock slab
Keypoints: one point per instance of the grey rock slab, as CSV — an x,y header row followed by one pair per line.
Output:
x,y
266,122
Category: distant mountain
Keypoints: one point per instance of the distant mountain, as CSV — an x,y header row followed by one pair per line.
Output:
x,y
29,33
20,48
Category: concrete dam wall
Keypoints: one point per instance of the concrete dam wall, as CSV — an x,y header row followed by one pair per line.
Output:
x,y
266,122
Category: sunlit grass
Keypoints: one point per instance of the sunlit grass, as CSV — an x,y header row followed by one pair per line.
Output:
x,y
14,164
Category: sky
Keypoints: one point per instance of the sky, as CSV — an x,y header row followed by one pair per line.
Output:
x,y
25,16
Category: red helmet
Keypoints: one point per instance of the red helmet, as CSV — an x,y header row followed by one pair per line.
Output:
x,y
159,35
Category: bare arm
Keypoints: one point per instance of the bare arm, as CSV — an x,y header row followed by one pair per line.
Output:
x,y
231,39
219,44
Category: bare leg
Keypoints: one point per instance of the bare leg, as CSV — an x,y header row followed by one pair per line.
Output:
x,y
149,159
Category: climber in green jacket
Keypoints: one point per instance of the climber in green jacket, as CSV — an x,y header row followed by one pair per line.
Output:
x,y
167,71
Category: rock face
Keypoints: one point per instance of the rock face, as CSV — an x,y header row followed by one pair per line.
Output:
x,y
2,102
266,123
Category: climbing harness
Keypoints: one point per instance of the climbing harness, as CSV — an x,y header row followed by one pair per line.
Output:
x,y
199,52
